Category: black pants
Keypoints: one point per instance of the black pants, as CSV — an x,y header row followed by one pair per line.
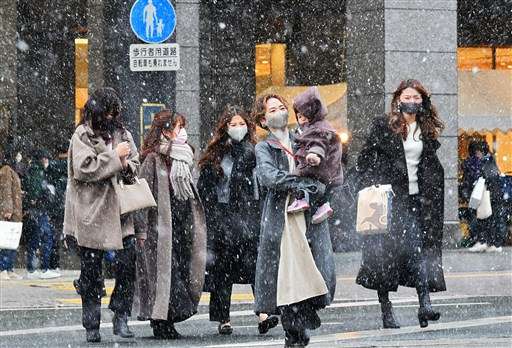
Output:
x,y
57,222
220,302
491,231
298,317
91,282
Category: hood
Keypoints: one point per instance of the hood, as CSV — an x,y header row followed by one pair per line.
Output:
x,y
310,105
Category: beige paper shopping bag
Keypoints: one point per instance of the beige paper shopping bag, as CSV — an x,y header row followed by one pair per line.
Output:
x,y
374,209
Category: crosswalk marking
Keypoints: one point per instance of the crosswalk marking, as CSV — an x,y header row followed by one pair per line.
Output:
x,y
333,339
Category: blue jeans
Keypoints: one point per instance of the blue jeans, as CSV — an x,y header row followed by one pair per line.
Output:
x,y
7,258
41,237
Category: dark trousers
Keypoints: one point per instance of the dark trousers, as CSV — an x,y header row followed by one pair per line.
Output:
x,y
490,231
57,222
41,237
220,302
298,317
7,259
91,282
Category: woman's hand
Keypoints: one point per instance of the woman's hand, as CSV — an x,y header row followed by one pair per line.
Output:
x,y
123,151
313,159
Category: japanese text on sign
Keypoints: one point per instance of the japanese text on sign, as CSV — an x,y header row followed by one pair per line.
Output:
x,y
154,57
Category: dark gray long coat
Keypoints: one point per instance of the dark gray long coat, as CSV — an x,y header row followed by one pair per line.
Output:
x,y
382,161
273,173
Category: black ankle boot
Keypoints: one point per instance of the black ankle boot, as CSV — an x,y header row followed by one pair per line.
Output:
x,y
93,335
120,322
304,337
388,318
426,312
164,330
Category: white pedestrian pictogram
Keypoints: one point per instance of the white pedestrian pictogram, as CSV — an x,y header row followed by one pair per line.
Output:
x,y
149,18
160,28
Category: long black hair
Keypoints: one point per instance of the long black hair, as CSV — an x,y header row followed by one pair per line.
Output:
x,y
102,102
220,144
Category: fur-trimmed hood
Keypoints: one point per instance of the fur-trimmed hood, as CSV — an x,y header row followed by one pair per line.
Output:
x,y
310,105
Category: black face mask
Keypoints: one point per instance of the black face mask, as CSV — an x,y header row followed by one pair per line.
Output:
x,y
410,108
108,126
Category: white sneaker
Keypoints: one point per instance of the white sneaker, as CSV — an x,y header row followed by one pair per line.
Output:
x,y
478,248
33,275
494,249
475,247
49,274
14,276
4,275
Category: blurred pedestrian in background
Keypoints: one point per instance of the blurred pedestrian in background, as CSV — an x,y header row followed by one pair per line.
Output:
x,y
10,210
490,233
471,171
41,197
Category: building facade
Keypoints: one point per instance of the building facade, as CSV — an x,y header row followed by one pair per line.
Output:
x,y
54,53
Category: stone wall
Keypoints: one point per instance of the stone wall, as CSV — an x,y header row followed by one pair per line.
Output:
x,y
8,80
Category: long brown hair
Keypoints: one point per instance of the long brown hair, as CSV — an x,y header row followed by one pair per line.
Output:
x,y
221,142
428,119
165,119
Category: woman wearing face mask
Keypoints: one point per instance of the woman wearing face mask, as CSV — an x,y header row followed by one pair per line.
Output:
x,y
229,192
401,150
171,263
295,274
102,150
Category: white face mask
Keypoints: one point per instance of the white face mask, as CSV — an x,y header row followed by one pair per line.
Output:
x,y
237,133
277,120
182,137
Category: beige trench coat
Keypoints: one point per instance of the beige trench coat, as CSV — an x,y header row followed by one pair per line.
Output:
x,y
92,213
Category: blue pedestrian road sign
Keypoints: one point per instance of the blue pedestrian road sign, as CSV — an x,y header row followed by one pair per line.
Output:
x,y
153,21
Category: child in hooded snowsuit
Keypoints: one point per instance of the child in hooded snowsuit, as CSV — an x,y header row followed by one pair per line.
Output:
x,y
318,152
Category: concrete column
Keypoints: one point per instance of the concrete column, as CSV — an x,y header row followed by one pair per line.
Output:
x,y
393,40
95,25
8,79
187,78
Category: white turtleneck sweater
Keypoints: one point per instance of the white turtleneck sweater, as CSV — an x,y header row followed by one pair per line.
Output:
x,y
413,147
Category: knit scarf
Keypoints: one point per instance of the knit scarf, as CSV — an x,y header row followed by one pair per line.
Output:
x,y
180,175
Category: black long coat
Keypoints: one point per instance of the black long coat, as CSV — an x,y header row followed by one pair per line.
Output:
x,y
382,161
232,228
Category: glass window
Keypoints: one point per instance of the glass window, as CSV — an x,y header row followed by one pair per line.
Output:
x,y
270,69
504,58
81,76
470,58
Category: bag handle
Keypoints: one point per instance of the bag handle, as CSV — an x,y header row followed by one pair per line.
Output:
x,y
121,182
